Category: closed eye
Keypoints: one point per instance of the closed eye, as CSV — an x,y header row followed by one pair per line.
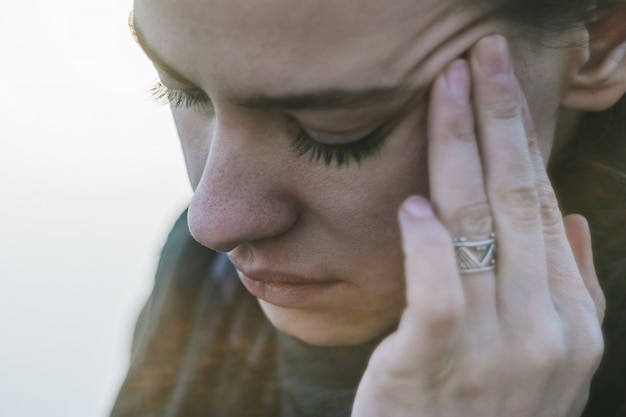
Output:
x,y
188,98
341,154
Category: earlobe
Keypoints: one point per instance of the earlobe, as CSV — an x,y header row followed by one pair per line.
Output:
x,y
597,78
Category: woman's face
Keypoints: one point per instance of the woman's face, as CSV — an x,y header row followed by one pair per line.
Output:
x,y
313,136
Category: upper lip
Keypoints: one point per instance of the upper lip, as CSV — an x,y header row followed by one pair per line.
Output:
x,y
268,276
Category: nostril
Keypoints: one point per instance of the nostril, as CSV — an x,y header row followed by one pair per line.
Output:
x,y
203,234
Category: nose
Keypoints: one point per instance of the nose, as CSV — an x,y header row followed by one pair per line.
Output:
x,y
242,194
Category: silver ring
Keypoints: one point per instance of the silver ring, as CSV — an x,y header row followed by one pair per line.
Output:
x,y
475,256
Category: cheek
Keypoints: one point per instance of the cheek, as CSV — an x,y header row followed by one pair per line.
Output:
x,y
363,200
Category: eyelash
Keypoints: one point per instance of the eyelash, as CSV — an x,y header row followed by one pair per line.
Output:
x,y
341,154
191,98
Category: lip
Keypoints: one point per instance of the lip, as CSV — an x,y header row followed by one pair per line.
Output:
x,y
286,290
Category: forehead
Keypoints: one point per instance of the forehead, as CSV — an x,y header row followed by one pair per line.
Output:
x,y
276,44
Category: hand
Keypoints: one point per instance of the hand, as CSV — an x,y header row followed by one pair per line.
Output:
x,y
524,339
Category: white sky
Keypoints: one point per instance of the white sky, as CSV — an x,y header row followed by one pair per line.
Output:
x,y
91,179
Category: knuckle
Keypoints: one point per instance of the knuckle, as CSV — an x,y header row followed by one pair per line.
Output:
x,y
473,220
520,202
550,212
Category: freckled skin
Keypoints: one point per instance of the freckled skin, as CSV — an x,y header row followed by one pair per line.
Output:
x,y
270,209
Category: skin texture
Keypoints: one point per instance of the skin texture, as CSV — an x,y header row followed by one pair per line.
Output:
x,y
273,211
473,119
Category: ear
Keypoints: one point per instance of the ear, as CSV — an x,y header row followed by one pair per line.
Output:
x,y
597,78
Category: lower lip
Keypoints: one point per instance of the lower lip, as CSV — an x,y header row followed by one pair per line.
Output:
x,y
290,295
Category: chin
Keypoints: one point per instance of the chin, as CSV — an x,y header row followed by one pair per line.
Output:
x,y
323,328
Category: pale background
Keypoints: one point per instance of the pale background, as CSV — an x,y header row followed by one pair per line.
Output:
x,y
91,178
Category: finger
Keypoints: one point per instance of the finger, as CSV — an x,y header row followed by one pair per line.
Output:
x,y
456,178
431,322
568,254
579,237
510,180
573,283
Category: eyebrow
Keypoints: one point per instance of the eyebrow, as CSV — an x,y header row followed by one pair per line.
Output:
x,y
333,98
325,99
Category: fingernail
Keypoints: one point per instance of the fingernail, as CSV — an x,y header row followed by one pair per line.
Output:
x,y
493,55
418,207
457,78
